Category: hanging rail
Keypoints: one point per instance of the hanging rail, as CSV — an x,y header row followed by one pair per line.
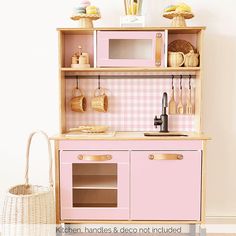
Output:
x,y
185,76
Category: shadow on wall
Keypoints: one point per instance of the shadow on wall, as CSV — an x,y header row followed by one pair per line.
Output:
x,y
219,119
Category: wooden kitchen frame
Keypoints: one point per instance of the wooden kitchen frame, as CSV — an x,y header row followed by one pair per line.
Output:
x,y
129,142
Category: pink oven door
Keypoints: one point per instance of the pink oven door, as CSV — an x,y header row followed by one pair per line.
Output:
x,y
130,49
94,185
166,185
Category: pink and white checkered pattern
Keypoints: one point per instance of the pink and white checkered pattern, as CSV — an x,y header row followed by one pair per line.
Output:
x,y
133,103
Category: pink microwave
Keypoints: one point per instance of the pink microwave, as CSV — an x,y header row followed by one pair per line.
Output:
x,y
130,48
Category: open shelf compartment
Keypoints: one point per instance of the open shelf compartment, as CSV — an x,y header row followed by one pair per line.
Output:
x,y
94,185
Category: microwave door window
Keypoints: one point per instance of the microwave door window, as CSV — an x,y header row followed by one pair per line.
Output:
x,y
130,49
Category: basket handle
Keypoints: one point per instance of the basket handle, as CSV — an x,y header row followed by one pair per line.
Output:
x,y
49,155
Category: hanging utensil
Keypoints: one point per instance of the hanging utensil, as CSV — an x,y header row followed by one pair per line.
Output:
x,y
180,107
189,106
172,103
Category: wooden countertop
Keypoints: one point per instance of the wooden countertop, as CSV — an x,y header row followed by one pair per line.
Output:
x,y
131,136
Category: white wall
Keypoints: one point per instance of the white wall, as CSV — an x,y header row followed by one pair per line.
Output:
x,y
29,87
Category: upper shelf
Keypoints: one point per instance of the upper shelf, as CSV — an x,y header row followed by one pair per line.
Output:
x,y
132,69
146,70
186,30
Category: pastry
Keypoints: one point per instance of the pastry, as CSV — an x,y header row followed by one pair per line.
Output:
x,y
80,10
91,10
170,8
85,3
183,8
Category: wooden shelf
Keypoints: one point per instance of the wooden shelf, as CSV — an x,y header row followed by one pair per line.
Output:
x,y
181,30
94,182
88,205
132,69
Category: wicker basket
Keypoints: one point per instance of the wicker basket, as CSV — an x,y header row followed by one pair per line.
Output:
x,y
30,204
180,45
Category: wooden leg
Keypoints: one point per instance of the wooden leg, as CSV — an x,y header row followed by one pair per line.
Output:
x,y
178,21
85,23
202,231
192,230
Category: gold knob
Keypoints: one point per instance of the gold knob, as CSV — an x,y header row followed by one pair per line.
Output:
x,y
151,157
180,157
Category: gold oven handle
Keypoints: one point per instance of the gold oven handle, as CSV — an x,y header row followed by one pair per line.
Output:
x,y
158,49
95,157
167,157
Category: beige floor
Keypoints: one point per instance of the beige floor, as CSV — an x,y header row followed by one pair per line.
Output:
x,y
221,234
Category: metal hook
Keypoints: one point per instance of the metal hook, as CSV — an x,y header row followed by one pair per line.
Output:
x,y
99,82
77,82
190,76
181,77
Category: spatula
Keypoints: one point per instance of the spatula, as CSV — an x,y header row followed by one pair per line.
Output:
x,y
172,103
180,107
189,106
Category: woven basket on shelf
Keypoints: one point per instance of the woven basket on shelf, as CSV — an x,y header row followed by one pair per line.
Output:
x,y
180,45
30,204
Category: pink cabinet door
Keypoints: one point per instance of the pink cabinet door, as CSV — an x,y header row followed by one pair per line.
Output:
x,y
94,185
165,185
130,49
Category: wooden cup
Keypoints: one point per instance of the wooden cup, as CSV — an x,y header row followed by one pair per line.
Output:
x,y
176,59
99,101
78,103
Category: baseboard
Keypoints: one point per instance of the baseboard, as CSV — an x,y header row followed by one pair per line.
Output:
x,y
221,224
221,220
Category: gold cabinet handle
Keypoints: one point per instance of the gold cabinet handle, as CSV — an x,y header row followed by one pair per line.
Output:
x,y
158,49
166,157
95,157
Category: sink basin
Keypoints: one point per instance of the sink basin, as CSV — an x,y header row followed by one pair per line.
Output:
x,y
158,134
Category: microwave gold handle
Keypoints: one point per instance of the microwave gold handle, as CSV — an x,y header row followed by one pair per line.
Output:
x,y
167,157
94,157
158,49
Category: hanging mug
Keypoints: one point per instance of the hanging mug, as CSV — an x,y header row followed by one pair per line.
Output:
x,y
100,101
78,102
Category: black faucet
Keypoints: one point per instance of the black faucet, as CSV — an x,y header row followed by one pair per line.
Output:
x,y
163,120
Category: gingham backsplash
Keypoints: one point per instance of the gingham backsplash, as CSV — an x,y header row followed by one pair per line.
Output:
x,y
133,104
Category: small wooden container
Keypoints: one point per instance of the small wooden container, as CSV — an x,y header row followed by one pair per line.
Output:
x,y
176,59
191,59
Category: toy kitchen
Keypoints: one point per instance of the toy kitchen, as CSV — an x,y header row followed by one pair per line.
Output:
x,y
131,147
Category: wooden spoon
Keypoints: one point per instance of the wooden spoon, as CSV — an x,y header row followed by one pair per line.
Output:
x,y
180,107
189,106
172,103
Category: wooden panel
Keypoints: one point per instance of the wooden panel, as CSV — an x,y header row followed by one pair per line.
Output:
x,y
62,102
62,92
94,182
198,98
94,169
133,136
131,69
57,182
171,29
76,31
95,198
